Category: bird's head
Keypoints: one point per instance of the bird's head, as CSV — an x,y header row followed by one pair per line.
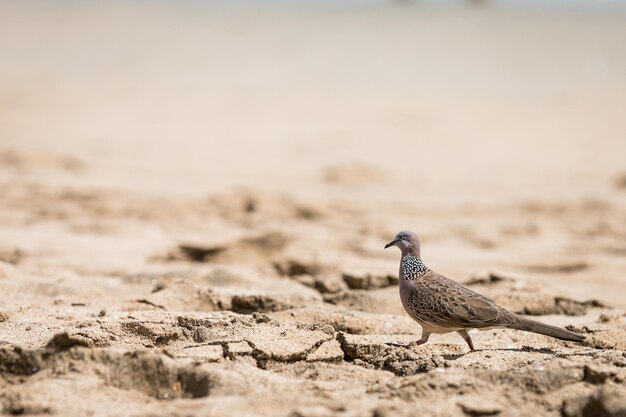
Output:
x,y
408,242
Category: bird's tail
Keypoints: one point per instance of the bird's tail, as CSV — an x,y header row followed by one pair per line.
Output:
x,y
552,331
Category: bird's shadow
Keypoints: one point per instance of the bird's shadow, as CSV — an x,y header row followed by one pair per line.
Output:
x,y
546,351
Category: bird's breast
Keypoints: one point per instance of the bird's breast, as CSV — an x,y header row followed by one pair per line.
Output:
x,y
406,288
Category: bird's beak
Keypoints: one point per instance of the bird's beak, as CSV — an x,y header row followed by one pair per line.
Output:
x,y
393,242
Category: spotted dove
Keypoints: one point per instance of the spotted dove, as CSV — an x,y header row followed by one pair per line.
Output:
x,y
441,305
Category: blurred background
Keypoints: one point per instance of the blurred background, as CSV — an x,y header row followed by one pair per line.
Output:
x,y
395,107
481,100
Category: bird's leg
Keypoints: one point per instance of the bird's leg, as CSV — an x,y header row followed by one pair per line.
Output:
x,y
467,338
423,340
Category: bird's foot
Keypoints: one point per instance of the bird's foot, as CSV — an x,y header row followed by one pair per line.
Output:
x,y
467,338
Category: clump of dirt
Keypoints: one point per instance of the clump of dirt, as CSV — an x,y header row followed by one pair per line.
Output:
x,y
247,304
531,302
364,351
561,305
603,402
489,279
368,281
62,341
296,267
263,245
198,253
12,256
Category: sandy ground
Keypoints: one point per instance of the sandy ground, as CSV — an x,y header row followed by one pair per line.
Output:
x,y
194,202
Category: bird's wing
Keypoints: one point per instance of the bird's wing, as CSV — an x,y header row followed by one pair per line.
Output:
x,y
446,303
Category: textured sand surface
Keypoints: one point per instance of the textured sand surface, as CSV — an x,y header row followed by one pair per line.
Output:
x,y
194,203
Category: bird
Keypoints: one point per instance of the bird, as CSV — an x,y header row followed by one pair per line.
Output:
x,y
442,305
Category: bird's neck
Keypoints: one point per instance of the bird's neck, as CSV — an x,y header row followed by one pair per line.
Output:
x,y
412,267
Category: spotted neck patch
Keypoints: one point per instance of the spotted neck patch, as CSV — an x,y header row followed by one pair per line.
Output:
x,y
412,267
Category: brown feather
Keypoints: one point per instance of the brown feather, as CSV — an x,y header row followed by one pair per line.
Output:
x,y
443,302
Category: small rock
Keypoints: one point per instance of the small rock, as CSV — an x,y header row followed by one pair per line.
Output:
x,y
356,282
23,404
261,318
479,406
327,285
13,256
246,304
598,374
63,341
157,333
204,353
308,280
329,351
386,411
439,361
284,343
367,281
377,354
326,328
295,267
272,242
544,305
307,212
572,407
102,313
238,349
490,278
197,253
604,402
4,316
312,411
201,334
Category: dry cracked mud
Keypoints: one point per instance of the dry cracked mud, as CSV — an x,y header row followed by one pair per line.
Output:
x,y
194,202
269,325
